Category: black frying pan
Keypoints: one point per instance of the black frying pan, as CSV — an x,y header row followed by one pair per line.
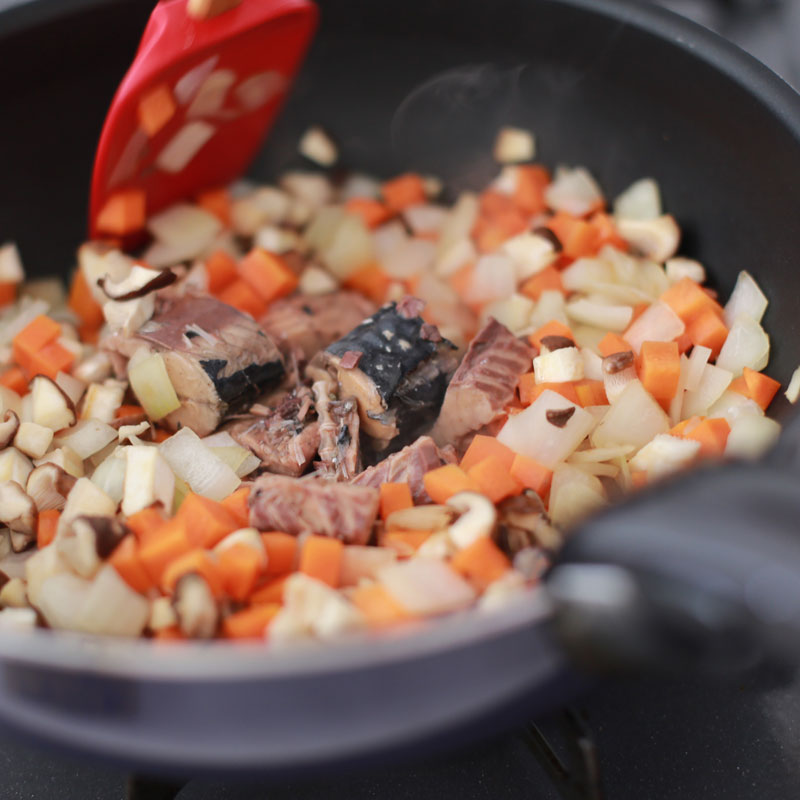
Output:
x,y
704,572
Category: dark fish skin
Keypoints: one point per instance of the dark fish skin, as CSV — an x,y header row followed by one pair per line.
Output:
x,y
484,384
312,505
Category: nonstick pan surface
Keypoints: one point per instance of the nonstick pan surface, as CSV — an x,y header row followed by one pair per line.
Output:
x,y
624,89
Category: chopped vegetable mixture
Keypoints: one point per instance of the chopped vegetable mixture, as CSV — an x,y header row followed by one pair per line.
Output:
x,y
331,406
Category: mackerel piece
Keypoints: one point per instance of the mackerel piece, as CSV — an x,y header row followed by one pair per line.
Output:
x,y
398,367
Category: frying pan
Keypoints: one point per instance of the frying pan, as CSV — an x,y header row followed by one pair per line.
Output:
x,y
703,573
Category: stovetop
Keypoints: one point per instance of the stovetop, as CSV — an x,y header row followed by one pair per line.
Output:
x,y
655,739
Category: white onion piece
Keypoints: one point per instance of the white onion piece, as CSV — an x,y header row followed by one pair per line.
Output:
x,y
751,436
625,266
611,293
317,146
732,406
514,145
530,253
530,433
652,238
411,258
574,494
87,437
152,386
597,454
678,268
592,365
652,279
425,218
714,382
459,222
697,363
494,278
349,248
313,188
612,318
665,454
61,600
658,323
196,464
746,298
426,586
574,191
457,255
9,401
358,185
17,619
676,404
634,418
588,337
514,313
641,200
506,181
747,345
387,239
550,306
111,608
793,389
614,383
11,270
360,562
597,468
584,273
109,475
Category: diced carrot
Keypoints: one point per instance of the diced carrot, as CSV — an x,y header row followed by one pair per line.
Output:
x,y
495,204
171,634
548,280
461,282
268,274
321,558
250,623
8,292
371,211
484,446
708,330
156,108
684,426
760,387
206,521
529,390
612,343
406,543
161,435
577,236
220,271
499,219
123,213
606,232
198,562
481,563
164,545
371,281
442,483
238,506
240,295
128,410
281,552
82,302
378,606
239,568
552,328
46,525
14,379
712,435
34,336
270,592
660,369
591,393
531,474
127,562
684,342
217,202
494,479
50,360
145,523
394,497
638,479
532,180
688,300
739,385
403,191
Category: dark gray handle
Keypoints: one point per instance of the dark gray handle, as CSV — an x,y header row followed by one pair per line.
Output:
x,y
702,572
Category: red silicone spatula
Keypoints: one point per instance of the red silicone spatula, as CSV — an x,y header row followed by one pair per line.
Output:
x,y
205,86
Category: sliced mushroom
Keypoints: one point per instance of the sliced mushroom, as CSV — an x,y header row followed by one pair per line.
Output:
x,y
5,542
139,282
162,614
523,523
88,541
195,607
18,512
50,405
653,238
420,518
478,518
8,428
48,486
13,594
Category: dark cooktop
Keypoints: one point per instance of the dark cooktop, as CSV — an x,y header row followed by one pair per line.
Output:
x,y
655,739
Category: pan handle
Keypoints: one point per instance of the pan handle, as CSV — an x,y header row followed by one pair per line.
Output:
x,y
702,572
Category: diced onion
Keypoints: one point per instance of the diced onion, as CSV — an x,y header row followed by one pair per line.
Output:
x,y
494,278
696,366
714,382
574,191
151,384
793,389
732,405
459,222
751,436
747,298
747,345
409,259
634,418
426,586
641,200
584,273
612,318
665,454
658,323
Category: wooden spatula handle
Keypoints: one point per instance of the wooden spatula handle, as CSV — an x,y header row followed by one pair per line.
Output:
x,y
204,9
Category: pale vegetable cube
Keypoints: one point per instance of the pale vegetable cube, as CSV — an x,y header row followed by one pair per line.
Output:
x,y
14,466
32,439
558,366
732,405
349,248
11,270
151,384
514,145
584,273
87,437
317,281
747,345
712,384
457,255
532,434
679,268
634,418
66,458
600,315
426,586
793,389
148,480
318,147
652,238
751,436
658,323
110,607
459,222
103,399
514,312
665,454
641,200
551,306
49,407
574,191
574,494
746,298
128,316
86,499
530,253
